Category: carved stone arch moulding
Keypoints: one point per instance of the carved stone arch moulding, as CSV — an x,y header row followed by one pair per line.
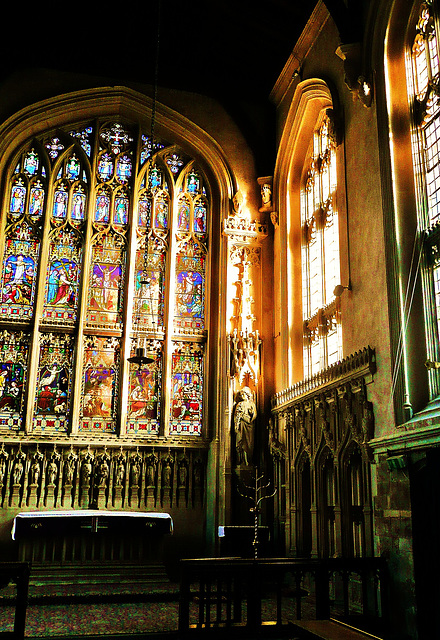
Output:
x,y
311,97
126,103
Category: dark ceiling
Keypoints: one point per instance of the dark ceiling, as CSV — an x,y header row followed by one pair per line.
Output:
x,y
232,51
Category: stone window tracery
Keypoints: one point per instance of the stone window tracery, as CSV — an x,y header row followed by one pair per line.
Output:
x,y
320,252
423,79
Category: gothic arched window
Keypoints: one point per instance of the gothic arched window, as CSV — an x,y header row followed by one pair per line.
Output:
x,y
423,82
105,249
320,252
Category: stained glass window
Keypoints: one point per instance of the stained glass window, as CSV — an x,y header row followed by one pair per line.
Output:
x,y
106,284
105,248
320,253
14,352
100,383
187,388
52,398
144,406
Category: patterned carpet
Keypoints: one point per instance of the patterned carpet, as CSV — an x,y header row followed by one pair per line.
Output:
x,y
94,619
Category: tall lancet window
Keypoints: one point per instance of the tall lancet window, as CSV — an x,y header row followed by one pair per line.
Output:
x,y
423,83
104,248
320,252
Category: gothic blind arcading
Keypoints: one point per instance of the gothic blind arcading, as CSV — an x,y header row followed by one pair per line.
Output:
x,y
105,248
320,253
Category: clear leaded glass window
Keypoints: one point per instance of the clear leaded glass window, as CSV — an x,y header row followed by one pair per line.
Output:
x,y
423,83
105,249
320,253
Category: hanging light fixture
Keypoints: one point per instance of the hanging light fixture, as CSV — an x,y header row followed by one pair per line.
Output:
x,y
142,357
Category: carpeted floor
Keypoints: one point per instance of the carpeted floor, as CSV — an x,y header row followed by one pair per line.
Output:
x,y
73,618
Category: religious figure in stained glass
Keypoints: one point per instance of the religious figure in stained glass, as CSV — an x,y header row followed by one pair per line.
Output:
x,y
31,163
36,201
101,360
193,182
102,207
144,210
121,210
200,217
62,283
105,285
52,389
123,168
14,347
143,393
18,198
78,204
161,212
18,278
189,294
60,203
11,387
184,214
187,389
73,168
190,285
105,167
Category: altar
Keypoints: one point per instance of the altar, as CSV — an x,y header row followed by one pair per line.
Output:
x,y
71,542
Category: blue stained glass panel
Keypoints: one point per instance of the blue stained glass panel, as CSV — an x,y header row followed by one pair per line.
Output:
x,y
105,167
73,168
102,208
36,201
193,182
31,163
18,199
60,203
11,386
123,168
155,178
121,210
78,205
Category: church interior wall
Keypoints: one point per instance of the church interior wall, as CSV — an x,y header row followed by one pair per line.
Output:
x,y
311,433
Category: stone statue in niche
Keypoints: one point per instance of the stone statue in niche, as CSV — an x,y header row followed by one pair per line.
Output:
x,y
120,473
166,473
102,472
35,471
245,414
3,464
150,474
69,468
18,470
52,472
86,471
135,472
183,474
